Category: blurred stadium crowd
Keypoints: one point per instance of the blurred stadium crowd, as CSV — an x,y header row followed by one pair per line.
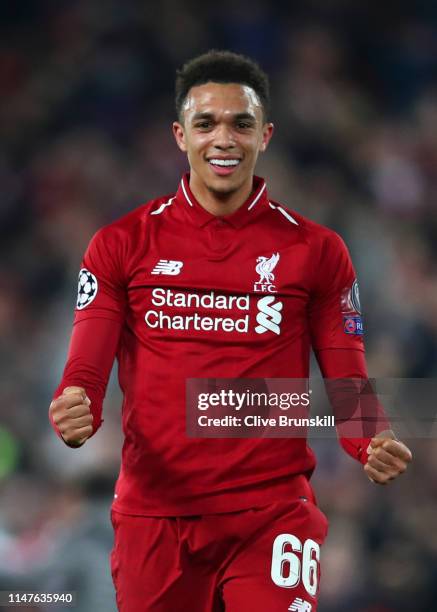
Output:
x,y
85,114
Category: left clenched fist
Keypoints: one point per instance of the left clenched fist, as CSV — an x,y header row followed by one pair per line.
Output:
x,y
388,457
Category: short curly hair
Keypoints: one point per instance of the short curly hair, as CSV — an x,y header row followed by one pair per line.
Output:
x,y
222,67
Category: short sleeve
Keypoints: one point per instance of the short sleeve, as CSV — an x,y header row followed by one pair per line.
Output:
x,y
334,310
101,289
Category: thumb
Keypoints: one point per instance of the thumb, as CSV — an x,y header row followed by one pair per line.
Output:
x,y
374,443
380,438
77,390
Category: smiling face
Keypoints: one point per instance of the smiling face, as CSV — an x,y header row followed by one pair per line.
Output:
x,y
222,131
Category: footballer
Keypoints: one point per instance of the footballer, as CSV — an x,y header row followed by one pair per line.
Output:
x,y
206,524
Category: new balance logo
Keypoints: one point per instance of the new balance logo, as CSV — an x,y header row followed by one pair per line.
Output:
x,y
169,267
300,605
269,316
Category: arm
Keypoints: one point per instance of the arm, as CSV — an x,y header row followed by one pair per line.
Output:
x,y
337,339
76,410
359,417
383,456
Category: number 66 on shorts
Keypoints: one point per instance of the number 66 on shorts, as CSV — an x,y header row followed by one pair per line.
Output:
x,y
289,567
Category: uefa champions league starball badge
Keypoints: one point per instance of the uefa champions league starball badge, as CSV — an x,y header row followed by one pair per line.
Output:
x,y
86,288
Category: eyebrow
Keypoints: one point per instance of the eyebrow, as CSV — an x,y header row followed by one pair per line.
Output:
x,y
237,117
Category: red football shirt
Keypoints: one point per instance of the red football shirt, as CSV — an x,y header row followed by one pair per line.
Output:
x,y
175,293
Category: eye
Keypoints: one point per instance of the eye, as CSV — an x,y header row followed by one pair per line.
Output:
x,y
243,125
203,125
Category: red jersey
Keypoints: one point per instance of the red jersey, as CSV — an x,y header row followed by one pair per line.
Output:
x,y
176,292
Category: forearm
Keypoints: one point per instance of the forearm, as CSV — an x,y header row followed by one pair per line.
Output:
x,y
359,414
91,354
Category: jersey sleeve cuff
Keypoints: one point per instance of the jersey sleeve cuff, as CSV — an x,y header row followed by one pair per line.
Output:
x,y
356,448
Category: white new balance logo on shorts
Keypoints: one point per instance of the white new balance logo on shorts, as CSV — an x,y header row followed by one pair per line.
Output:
x,y
170,267
300,605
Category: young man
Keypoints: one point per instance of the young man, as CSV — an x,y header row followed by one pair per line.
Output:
x,y
214,524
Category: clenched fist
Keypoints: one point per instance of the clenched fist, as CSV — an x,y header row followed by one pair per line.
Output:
x,y
388,458
72,415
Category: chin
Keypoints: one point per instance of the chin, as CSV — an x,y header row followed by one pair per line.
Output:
x,y
222,187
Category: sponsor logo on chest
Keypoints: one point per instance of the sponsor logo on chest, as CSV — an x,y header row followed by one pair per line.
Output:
x,y
179,309
212,312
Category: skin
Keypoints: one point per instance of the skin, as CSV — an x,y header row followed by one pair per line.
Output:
x,y
388,458
72,414
223,120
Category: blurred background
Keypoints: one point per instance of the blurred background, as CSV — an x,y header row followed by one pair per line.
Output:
x,y
86,105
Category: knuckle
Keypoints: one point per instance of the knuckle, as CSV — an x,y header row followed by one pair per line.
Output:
x,y
55,406
82,421
74,399
61,419
377,451
85,421
85,432
86,418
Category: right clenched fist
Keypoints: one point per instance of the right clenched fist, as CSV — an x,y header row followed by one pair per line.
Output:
x,y
72,415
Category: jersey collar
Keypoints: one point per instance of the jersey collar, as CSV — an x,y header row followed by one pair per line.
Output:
x,y
254,204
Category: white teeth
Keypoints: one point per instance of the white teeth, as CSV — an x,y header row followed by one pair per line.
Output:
x,y
224,162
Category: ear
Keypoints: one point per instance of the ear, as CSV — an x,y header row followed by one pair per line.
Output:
x,y
179,134
268,129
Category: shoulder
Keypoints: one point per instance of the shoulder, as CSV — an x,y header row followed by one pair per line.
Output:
x,y
132,225
314,233
137,218
118,241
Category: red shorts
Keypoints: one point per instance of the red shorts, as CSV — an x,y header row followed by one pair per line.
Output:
x,y
257,560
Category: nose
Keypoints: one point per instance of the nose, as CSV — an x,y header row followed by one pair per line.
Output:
x,y
224,137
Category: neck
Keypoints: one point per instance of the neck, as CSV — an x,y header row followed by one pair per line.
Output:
x,y
216,203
